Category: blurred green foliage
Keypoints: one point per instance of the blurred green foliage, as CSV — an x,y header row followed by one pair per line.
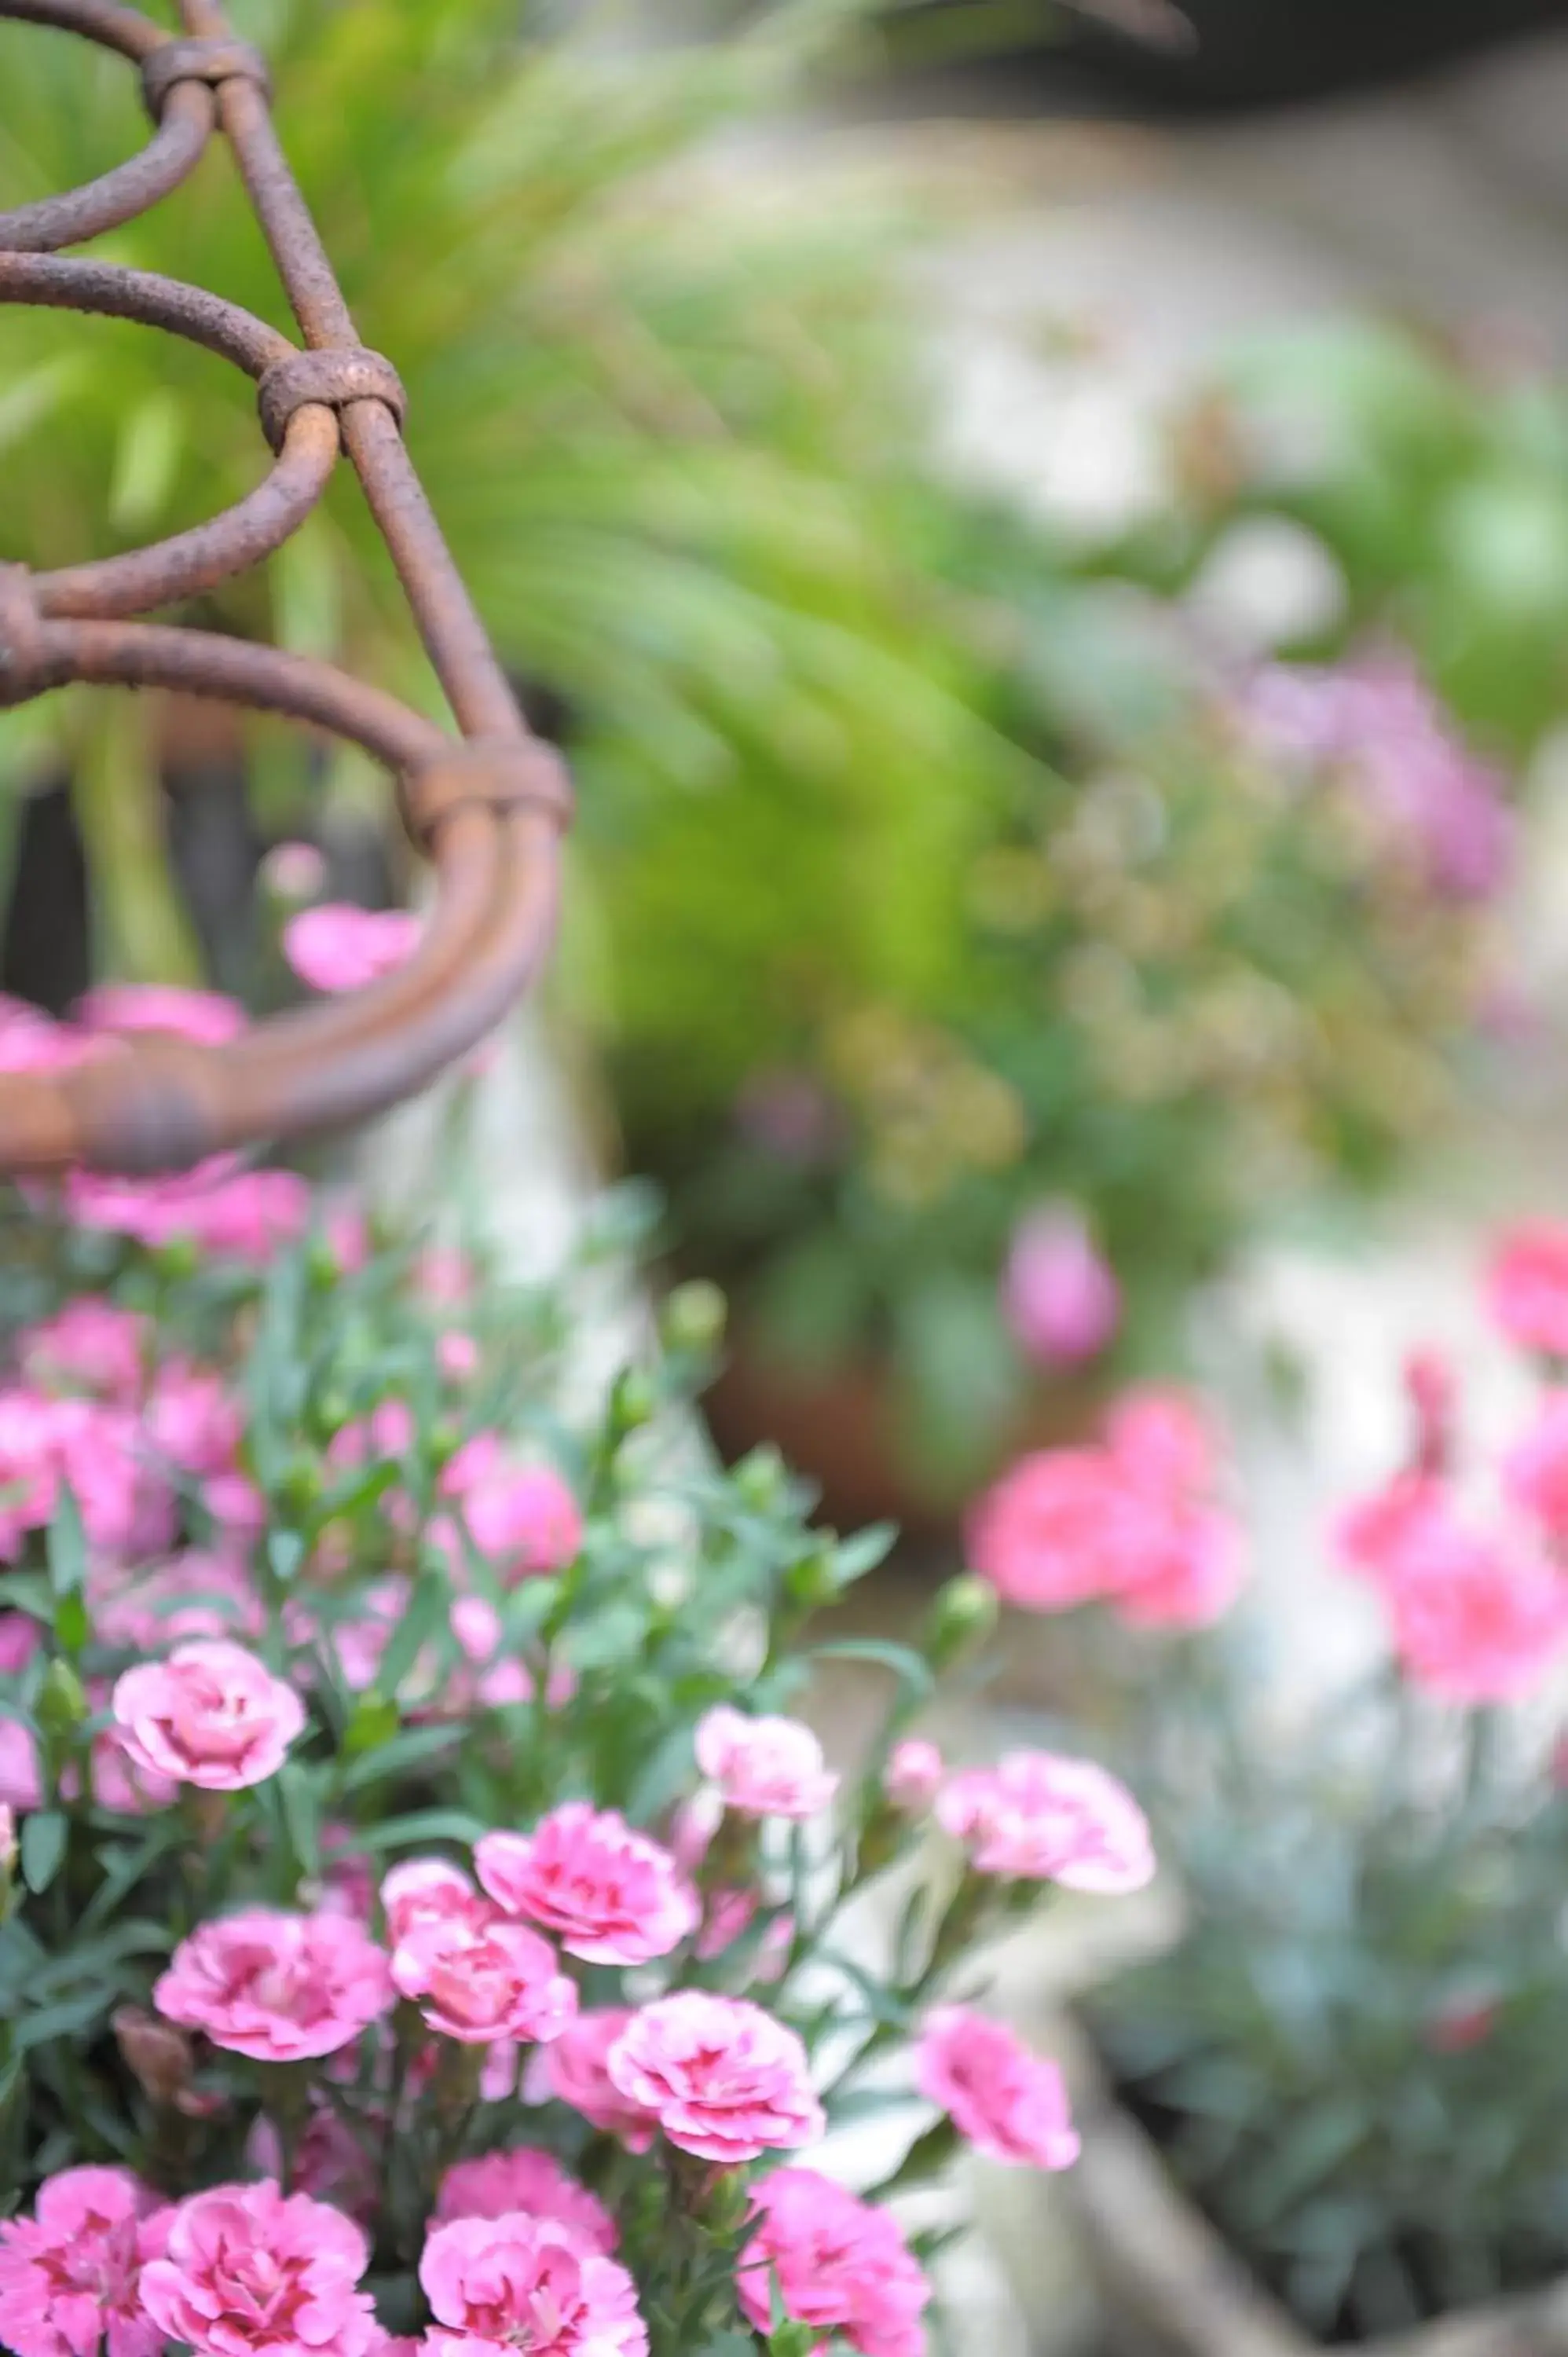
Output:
x,y
1434,472
1355,2059
881,793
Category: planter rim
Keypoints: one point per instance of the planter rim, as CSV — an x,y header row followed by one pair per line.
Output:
x,y
1184,2279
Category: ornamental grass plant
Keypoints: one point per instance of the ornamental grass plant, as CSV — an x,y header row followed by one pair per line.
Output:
x,y
423,1904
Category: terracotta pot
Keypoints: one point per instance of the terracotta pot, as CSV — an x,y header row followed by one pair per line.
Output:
x,y
841,1430
1171,2287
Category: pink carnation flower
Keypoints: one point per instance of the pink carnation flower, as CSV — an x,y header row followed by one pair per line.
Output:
x,y
249,2273
278,1987
20,1637
429,1891
1535,1470
610,1896
212,1714
205,1015
90,1345
1060,1528
71,2276
914,1775
764,1767
724,2078
1042,1818
574,2070
484,1982
1129,1522
1527,1287
339,947
1059,1296
841,2265
501,2284
1475,1619
526,2179
1011,2104
522,1518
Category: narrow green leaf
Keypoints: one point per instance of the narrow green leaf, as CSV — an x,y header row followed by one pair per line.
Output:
x,y
43,1846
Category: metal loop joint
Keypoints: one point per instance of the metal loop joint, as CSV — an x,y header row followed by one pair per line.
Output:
x,y
213,62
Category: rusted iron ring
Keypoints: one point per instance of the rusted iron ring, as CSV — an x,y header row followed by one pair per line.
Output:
x,y
332,378
500,774
23,665
213,62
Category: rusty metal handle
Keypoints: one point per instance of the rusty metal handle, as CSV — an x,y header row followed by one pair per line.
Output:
x,y
486,806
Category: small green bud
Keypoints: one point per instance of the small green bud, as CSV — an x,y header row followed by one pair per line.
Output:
x,y
62,1699
814,1580
322,1265
693,1317
633,1402
178,1258
761,1478
960,1619
792,2340
301,1485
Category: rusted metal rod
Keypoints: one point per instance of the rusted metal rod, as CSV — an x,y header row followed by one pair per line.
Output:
x,y
487,806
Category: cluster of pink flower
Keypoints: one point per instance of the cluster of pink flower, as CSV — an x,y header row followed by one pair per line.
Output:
x,y
1377,723
1477,1602
1135,1520
518,2257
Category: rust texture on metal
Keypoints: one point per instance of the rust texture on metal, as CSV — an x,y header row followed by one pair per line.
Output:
x,y
486,805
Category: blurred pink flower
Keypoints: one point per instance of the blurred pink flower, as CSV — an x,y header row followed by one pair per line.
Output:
x,y
235,1213
1379,726
523,1518
329,2162
1011,2104
914,1775
1041,1818
724,2078
483,1981
192,1417
20,1637
196,1593
71,2276
1535,1469
526,2177
610,1896
1373,1533
1059,1529
572,2069
212,1714
1163,1440
249,2273
31,1042
339,947
21,1775
840,2267
205,1015
520,2283
1527,1287
278,1987
90,1345
1058,1296
764,1767
125,1784
1477,1617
